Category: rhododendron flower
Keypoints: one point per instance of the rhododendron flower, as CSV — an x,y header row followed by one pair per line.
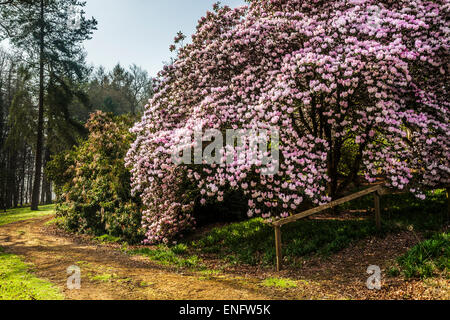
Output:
x,y
369,75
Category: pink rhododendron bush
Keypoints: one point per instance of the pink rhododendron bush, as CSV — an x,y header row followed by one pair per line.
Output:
x,y
318,75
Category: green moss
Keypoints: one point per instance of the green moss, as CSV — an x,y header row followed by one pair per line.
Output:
x,y
104,277
108,239
428,258
17,283
58,221
280,283
167,256
22,214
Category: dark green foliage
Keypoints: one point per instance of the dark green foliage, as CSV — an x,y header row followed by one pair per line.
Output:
x,y
17,130
107,239
252,242
93,185
52,50
350,151
407,210
233,208
119,91
427,258
170,256
22,23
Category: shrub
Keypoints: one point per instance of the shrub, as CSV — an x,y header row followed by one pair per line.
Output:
x,y
93,185
428,258
363,79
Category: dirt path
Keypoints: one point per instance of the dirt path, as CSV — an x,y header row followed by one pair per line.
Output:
x,y
112,275
109,274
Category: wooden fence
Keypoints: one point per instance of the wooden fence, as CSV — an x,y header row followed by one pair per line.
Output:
x,y
376,190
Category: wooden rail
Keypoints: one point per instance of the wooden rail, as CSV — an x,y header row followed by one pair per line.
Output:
x,y
448,203
376,190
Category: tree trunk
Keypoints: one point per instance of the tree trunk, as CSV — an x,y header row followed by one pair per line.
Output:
x,y
23,175
46,197
10,179
48,194
44,187
40,129
2,198
29,177
448,203
22,182
15,178
334,157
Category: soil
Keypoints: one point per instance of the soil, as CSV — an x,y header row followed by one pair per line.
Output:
x,y
107,273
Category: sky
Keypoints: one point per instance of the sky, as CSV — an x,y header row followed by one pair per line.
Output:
x,y
141,31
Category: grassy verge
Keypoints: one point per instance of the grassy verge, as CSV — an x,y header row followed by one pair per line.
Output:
x,y
252,242
279,283
176,256
106,238
22,214
17,283
427,259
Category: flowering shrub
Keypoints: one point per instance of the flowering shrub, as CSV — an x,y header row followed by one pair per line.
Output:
x,y
93,185
367,75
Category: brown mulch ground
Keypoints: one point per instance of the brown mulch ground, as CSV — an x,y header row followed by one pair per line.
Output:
x,y
108,273
344,275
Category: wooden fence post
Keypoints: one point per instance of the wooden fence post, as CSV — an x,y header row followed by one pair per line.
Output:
x,y
377,190
278,247
448,203
377,210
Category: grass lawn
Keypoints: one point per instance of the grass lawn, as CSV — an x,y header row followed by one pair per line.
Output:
x,y
252,242
427,259
21,214
280,283
17,283
176,256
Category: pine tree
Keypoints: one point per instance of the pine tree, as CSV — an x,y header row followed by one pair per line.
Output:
x,y
50,35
